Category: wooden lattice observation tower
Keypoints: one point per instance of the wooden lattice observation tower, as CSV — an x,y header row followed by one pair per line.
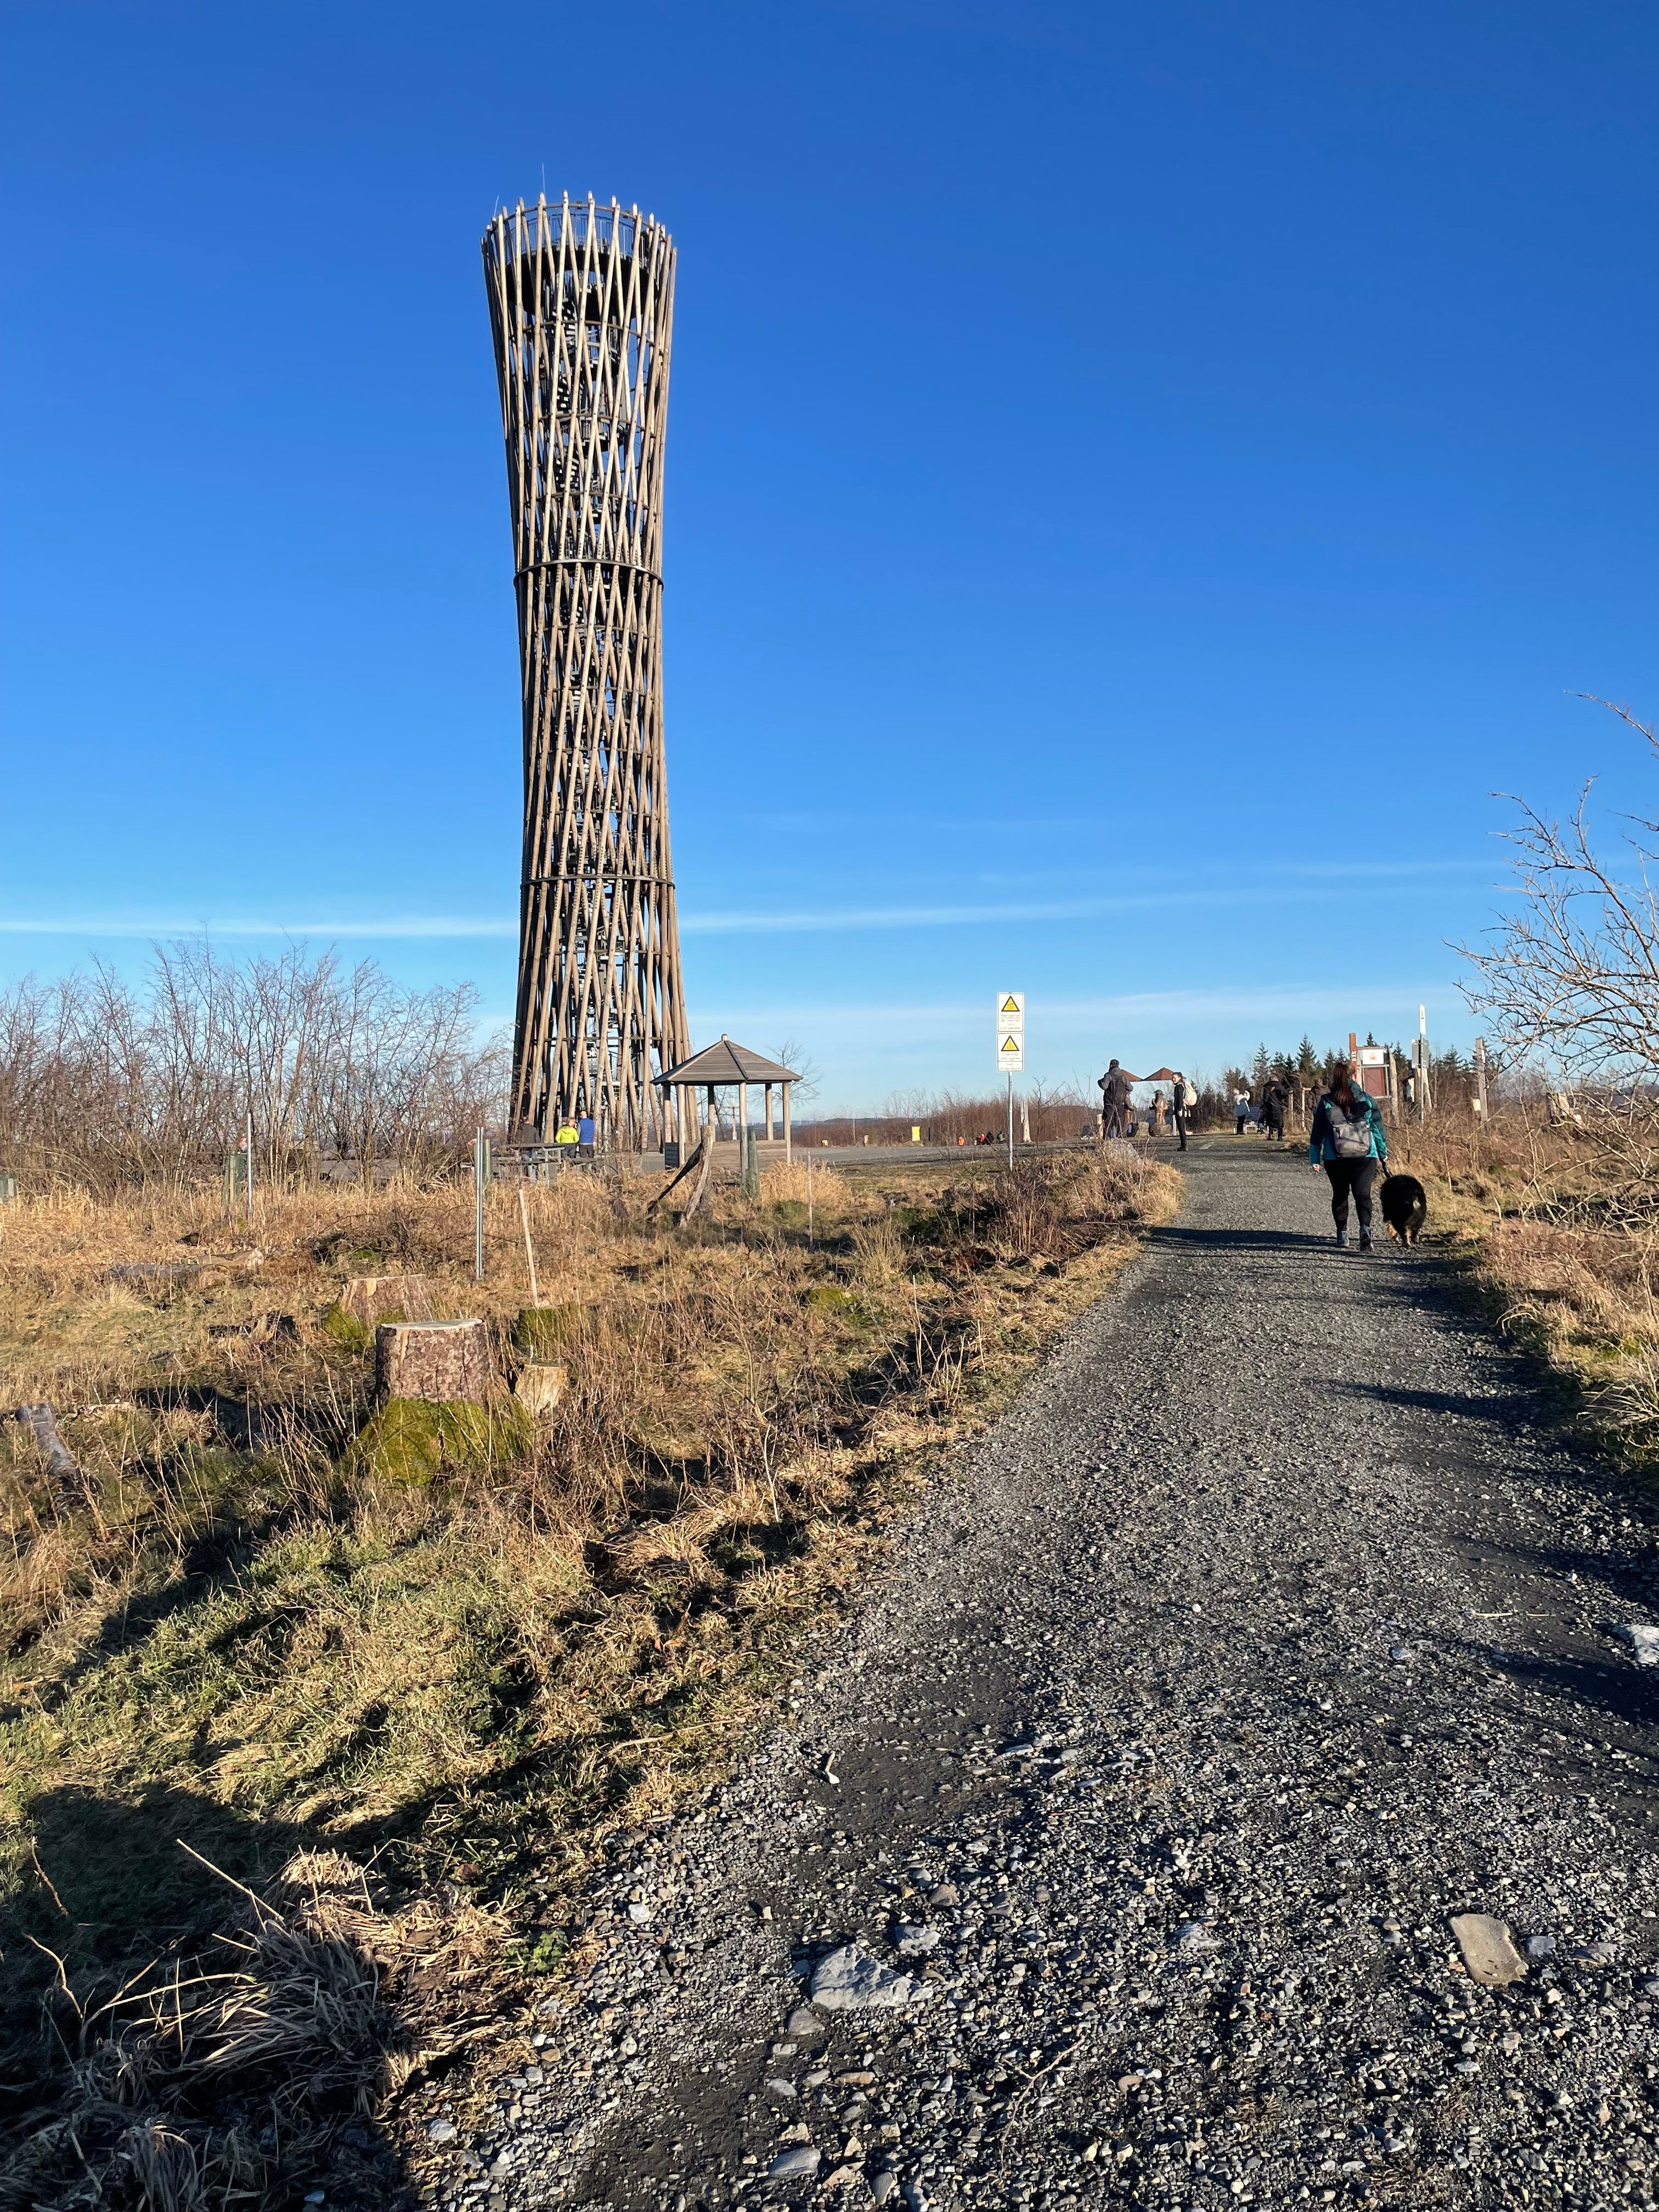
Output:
x,y
581,300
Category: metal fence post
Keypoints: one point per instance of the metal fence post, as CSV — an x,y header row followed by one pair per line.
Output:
x,y
480,1177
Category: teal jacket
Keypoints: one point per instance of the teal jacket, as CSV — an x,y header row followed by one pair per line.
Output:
x,y
1321,1147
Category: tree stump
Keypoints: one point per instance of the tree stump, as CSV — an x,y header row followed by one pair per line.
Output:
x,y
538,1386
370,1299
445,1361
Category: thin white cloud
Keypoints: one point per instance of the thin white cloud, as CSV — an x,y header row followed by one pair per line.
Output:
x,y
1296,884
388,925
960,1017
1213,897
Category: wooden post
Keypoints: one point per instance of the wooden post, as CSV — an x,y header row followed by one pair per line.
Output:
x,y
1480,1078
743,1124
768,1113
529,1249
787,1154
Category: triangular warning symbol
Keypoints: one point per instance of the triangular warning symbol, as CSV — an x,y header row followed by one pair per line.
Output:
x,y
1010,1044
1010,1004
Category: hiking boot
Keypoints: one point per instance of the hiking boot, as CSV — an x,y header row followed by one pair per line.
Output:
x,y
1364,1240
1341,1235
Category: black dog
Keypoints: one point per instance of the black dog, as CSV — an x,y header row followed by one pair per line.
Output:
x,y
1404,1205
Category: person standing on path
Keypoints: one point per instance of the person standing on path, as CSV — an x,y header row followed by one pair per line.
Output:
x,y
1114,1101
1184,1099
1346,1143
1241,1111
1274,1100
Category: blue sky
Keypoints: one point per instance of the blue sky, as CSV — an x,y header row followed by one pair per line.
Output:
x,y
1140,479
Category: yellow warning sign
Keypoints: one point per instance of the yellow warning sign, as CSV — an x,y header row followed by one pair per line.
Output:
x,y
1010,1032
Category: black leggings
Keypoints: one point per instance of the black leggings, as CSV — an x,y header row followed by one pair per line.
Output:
x,y
1355,1175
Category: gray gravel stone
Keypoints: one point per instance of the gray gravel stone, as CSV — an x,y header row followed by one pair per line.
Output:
x,y
793,2165
850,1980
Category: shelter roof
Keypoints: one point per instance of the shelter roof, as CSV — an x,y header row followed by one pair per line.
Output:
x,y
726,1062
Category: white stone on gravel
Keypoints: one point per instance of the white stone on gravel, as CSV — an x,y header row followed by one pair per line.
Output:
x,y
1642,1640
804,2022
850,1980
914,1939
1194,1935
794,2165
1541,1947
1488,1949
442,2131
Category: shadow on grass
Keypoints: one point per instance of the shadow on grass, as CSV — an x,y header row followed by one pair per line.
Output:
x,y
113,1900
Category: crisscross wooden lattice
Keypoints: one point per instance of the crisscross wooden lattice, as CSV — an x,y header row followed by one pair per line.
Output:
x,y
581,301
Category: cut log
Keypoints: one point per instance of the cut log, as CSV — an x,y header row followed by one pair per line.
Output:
x,y
370,1299
445,1361
538,1386
203,1275
63,1472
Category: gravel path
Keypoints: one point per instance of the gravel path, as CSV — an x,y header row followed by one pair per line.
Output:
x,y
1272,1628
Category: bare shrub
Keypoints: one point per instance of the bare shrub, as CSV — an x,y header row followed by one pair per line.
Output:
x,y
105,1084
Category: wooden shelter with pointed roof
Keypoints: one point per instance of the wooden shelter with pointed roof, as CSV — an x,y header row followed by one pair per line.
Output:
x,y
726,1067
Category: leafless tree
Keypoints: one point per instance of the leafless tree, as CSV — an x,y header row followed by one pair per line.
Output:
x,y
1570,976
106,1082
1568,981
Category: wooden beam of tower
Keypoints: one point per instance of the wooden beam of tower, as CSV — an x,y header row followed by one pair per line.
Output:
x,y
581,303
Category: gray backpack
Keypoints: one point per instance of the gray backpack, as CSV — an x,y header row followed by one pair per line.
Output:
x,y
1351,1134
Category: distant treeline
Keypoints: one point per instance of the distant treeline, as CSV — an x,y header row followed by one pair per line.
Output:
x,y
105,1082
1054,1115
1451,1074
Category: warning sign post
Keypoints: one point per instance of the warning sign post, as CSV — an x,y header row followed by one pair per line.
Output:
x,y
1011,1049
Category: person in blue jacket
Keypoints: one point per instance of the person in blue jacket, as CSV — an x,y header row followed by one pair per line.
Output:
x,y
1346,1143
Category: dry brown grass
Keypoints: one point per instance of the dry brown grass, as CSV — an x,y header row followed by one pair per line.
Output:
x,y
251,1637
1568,1241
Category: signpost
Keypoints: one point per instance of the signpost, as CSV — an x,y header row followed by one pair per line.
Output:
x,y
481,1181
1011,1049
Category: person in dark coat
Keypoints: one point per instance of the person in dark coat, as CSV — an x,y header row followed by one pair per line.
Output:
x,y
1115,1090
1274,1100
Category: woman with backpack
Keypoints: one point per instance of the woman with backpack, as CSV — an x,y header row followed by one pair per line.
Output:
x,y
1346,1143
